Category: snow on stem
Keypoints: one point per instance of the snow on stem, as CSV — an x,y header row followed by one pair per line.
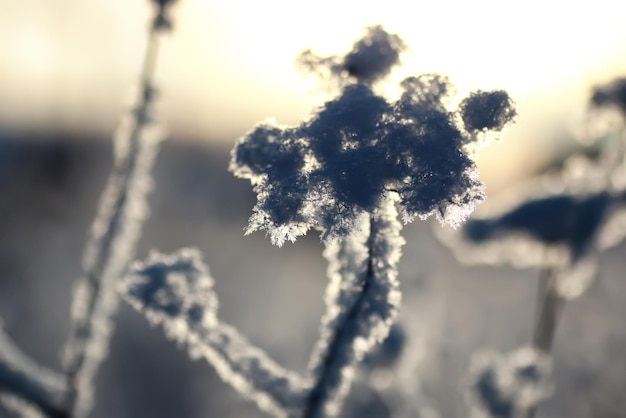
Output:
x,y
176,291
362,302
114,234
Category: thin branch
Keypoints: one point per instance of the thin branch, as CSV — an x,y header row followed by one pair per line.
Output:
x,y
362,302
21,377
548,309
111,246
333,364
176,292
549,305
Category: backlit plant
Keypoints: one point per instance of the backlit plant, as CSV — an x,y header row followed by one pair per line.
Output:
x,y
346,172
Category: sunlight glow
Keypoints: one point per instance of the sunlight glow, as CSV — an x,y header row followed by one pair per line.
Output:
x,y
30,51
528,48
229,65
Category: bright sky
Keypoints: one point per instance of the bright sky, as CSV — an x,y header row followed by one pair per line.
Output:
x,y
229,64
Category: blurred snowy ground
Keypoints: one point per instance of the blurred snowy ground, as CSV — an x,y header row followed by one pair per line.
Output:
x,y
50,188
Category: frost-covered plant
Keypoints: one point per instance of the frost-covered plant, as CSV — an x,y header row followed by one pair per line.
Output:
x,y
359,148
345,172
176,291
110,248
558,223
115,231
508,386
554,223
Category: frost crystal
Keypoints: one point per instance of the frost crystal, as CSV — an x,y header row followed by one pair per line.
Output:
x,y
358,147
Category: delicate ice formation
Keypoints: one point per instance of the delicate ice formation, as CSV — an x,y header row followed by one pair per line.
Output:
x,y
359,147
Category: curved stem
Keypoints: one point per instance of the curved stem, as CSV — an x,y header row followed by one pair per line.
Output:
x,y
344,335
362,302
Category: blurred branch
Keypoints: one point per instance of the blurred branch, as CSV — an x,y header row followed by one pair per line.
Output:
x,y
114,234
23,378
549,306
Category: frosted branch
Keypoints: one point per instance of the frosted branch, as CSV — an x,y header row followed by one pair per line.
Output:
x,y
114,234
176,291
334,173
339,164
551,223
24,379
362,301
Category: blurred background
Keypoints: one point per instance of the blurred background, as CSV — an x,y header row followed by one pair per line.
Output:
x,y
67,72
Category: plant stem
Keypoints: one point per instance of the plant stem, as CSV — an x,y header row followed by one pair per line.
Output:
x,y
549,305
343,338
113,229
28,381
362,302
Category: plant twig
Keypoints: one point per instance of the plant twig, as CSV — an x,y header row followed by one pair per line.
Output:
x,y
549,305
22,377
362,301
111,246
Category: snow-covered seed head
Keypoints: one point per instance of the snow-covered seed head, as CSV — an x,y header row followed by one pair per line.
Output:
x,y
371,58
487,110
358,147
